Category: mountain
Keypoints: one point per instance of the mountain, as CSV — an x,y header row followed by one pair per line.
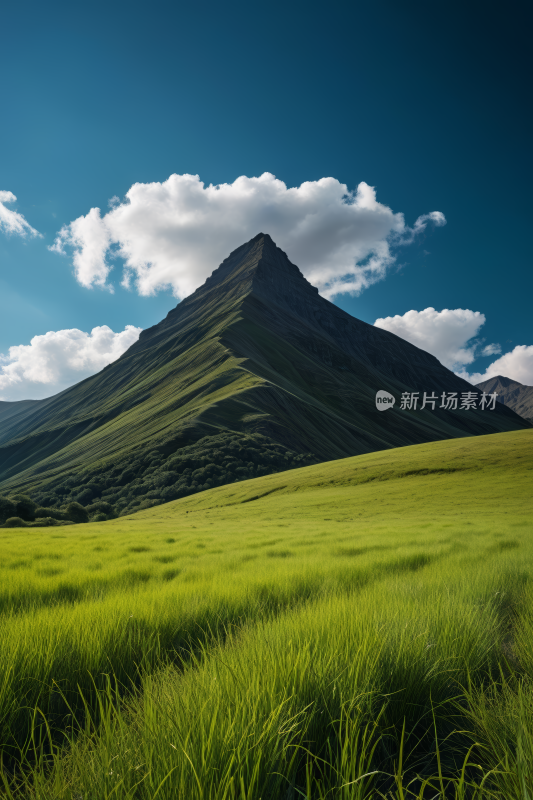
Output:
x,y
512,394
253,372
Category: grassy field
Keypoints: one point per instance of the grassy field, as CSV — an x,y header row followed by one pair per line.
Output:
x,y
356,629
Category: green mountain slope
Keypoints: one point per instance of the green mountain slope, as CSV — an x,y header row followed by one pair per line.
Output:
x,y
255,352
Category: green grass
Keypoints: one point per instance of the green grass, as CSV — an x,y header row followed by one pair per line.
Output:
x,y
283,637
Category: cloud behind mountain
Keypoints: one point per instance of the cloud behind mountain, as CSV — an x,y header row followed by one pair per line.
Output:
x,y
517,364
57,359
453,336
450,334
170,233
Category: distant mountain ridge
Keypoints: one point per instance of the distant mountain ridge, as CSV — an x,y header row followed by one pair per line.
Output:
x,y
255,351
512,394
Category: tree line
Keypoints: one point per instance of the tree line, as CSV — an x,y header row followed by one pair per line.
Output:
x,y
148,478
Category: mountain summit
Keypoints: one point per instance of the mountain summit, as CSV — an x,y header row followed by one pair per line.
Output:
x,y
511,393
254,352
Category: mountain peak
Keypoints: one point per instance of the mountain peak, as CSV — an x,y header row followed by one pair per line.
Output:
x,y
498,381
259,256
260,236
258,267
513,394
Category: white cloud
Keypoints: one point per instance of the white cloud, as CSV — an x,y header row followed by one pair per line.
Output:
x,y
58,359
452,336
11,222
90,240
491,350
447,334
436,217
173,234
517,365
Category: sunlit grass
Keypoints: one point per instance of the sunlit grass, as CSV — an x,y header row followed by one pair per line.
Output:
x,y
282,631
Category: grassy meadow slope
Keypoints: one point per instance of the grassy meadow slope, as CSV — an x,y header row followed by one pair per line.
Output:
x,y
286,636
255,351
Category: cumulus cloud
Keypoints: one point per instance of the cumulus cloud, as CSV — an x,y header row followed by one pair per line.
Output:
x,y
173,234
58,359
11,222
517,365
491,350
90,241
452,336
448,334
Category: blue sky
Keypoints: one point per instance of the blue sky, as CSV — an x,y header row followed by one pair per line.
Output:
x,y
428,103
